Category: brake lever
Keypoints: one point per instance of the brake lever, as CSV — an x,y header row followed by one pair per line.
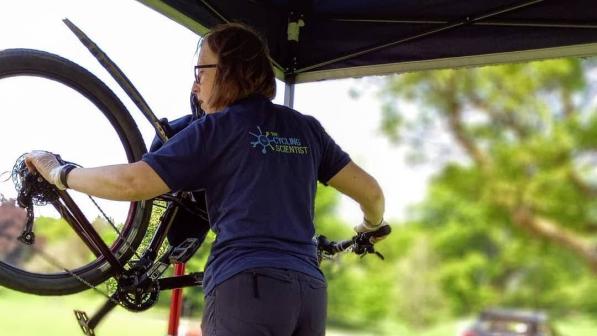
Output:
x,y
379,255
362,247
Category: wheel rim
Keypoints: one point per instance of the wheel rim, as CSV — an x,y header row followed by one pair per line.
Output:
x,y
91,141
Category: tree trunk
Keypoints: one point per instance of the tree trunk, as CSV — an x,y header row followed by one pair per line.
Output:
x,y
543,227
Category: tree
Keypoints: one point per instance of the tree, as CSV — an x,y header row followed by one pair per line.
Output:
x,y
12,223
526,133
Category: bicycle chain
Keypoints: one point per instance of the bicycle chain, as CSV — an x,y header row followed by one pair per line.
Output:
x,y
128,245
50,260
83,281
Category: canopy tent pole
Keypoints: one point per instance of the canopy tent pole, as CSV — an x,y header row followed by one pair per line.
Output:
x,y
496,23
293,31
289,95
214,11
469,20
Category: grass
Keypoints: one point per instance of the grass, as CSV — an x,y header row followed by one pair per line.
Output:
x,y
580,325
29,315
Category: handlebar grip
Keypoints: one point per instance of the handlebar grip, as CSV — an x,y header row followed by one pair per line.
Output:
x,y
382,231
364,237
360,239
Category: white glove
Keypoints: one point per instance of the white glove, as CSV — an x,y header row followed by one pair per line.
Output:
x,y
46,164
366,226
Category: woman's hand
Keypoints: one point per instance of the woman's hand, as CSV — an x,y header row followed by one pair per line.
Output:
x,y
366,226
47,165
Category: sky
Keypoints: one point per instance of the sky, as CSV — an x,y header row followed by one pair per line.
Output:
x,y
157,55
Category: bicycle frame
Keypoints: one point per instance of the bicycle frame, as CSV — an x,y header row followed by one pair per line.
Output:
x,y
147,270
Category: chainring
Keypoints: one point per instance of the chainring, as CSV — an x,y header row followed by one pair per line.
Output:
x,y
139,298
134,296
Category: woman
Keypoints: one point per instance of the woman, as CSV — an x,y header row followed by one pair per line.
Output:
x,y
259,164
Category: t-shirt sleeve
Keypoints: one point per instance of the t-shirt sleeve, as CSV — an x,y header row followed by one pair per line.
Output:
x,y
333,158
182,162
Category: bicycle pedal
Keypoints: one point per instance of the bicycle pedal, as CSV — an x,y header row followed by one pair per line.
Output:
x,y
183,252
84,322
157,270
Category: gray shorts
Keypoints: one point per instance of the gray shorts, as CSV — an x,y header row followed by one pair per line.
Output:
x,y
266,301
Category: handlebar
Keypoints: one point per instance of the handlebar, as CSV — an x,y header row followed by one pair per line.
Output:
x,y
360,244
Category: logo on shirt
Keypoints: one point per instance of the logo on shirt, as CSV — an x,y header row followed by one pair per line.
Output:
x,y
273,142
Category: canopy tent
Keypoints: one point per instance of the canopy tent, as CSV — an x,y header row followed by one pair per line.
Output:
x,y
312,40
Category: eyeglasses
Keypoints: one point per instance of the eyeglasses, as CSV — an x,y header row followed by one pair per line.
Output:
x,y
198,70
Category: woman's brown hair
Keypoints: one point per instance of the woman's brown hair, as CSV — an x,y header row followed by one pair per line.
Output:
x,y
244,67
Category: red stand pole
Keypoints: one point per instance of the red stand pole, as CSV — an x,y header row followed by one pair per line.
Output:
x,y
176,303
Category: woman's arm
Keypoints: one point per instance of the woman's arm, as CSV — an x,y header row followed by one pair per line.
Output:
x,y
125,182
364,189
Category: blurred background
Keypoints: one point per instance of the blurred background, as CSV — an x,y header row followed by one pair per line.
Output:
x,y
490,176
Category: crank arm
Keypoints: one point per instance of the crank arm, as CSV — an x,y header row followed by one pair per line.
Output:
x,y
189,280
88,325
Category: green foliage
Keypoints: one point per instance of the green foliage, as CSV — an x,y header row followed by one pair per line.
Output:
x,y
526,134
584,293
484,260
418,297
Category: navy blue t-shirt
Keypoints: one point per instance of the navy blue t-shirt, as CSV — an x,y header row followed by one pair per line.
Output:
x,y
259,164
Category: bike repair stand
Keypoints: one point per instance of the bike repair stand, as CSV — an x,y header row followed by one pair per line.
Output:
x,y
176,303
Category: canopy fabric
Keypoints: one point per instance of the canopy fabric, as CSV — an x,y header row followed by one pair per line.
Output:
x,y
313,40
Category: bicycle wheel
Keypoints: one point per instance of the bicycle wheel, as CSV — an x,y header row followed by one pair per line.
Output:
x,y
51,103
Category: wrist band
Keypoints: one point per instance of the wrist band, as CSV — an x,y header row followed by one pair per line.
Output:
x,y
64,173
367,224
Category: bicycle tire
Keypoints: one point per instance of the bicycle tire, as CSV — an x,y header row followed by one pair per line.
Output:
x,y
29,62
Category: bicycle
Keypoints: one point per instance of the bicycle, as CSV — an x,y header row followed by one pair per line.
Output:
x,y
138,273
